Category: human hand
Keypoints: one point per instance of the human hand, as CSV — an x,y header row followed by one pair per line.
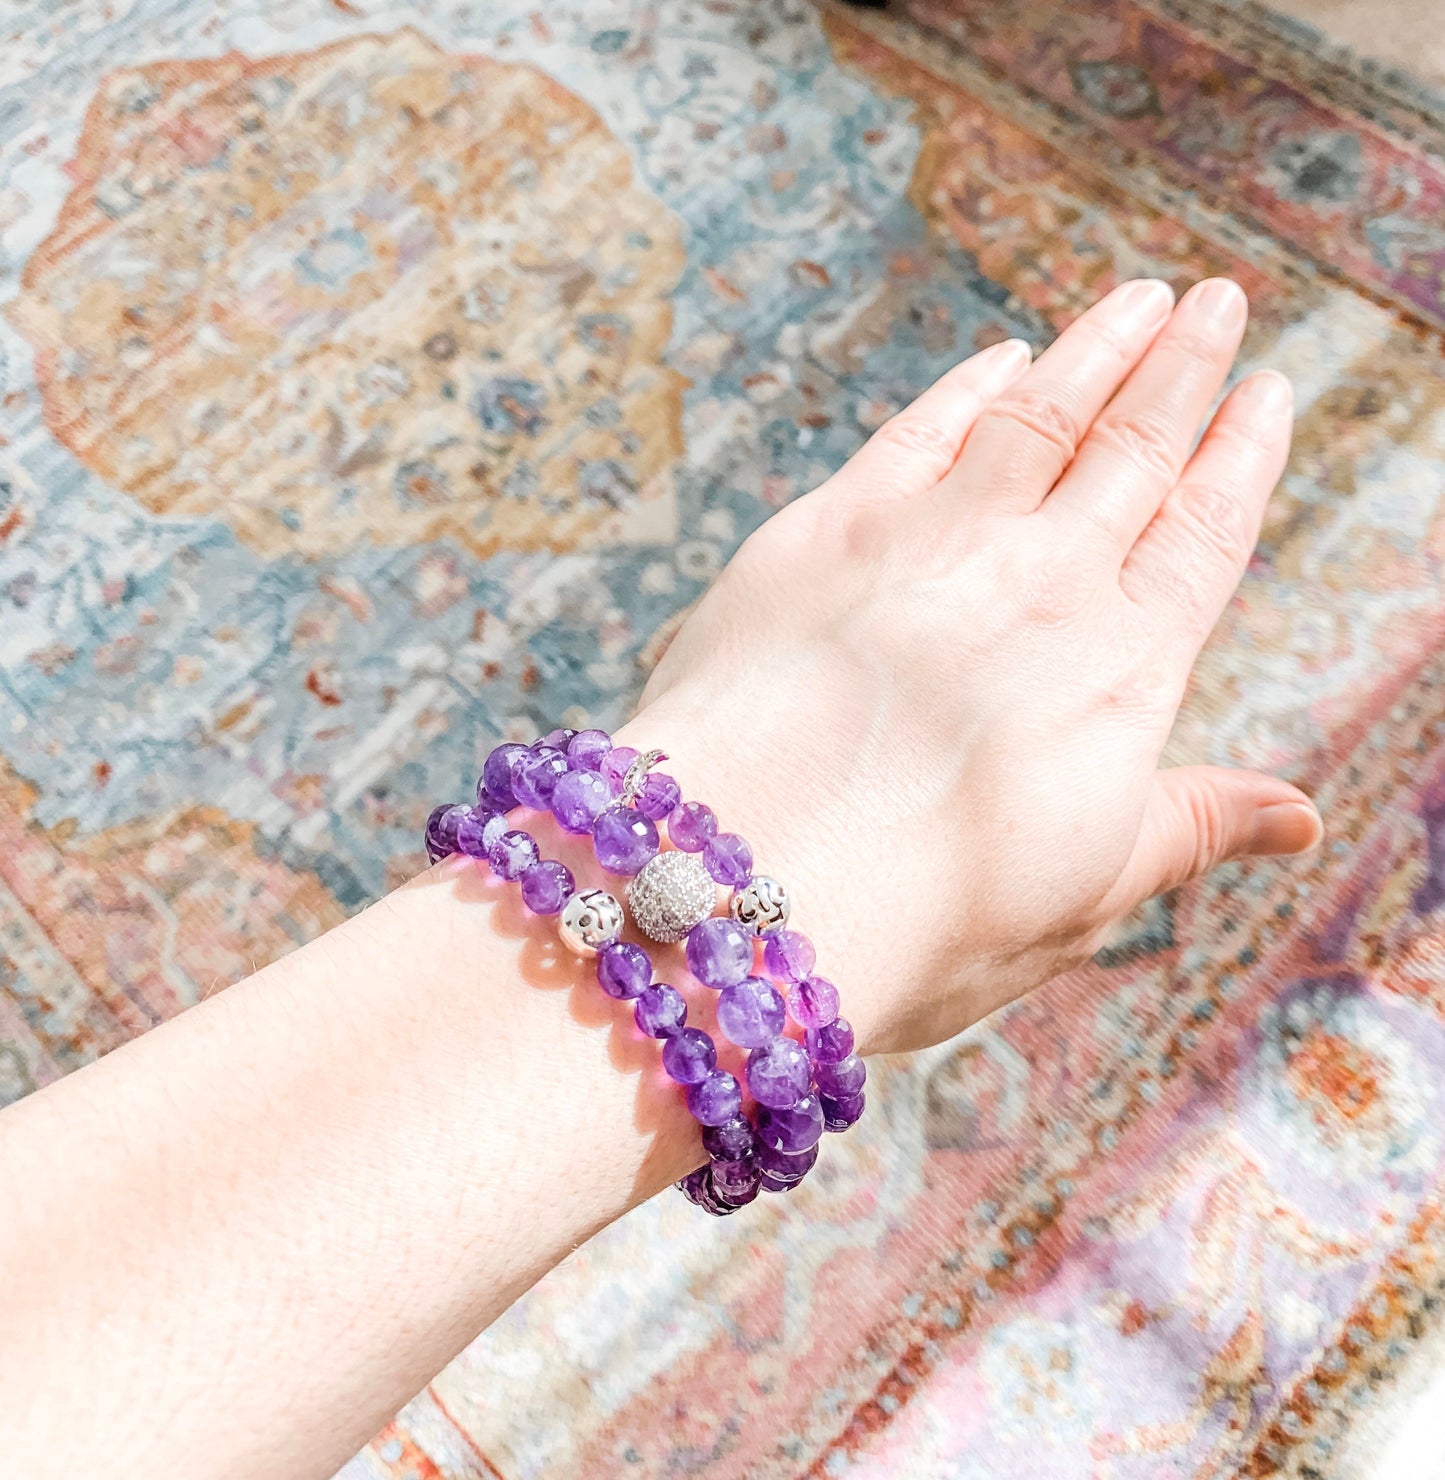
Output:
x,y
934,692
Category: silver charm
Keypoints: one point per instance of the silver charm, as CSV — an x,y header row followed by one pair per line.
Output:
x,y
636,777
761,906
671,894
590,920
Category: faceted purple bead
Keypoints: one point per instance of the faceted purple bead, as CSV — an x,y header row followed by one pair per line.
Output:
x,y
615,764
587,749
660,1011
547,886
814,1003
787,1167
472,832
696,1186
831,1043
730,1141
623,970
838,1115
719,952
751,1013
535,777
789,956
496,783
736,1180
512,854
577,799
689,1057
559,739
728,859
715,1099
842,1079
441,829
495,826
625,840
793,1128
778,1073
659,796
691,825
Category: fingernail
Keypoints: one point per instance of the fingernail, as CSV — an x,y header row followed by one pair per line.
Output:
x,y
1271,393
1286,827
1220,300
1008,359
1141,305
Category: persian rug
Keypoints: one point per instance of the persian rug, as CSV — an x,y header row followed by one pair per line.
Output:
x,y
379,379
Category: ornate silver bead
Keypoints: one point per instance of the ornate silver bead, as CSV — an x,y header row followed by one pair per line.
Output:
x,y
761,906
672,893
590,920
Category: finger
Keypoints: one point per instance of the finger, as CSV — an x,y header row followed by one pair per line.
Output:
x,y
1198,817
1188,561
1136,448
1025,438
911,451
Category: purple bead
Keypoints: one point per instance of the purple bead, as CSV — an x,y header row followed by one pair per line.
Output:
x,y
496,826
625,840
789,1168
559,739
660,1011
789,956
793,1128
547,886
831,1043
751,1013
535,777
730,1141
623,970
472,833
728,859
719,952
442,827
736,1180
715,1099
512,854
691,825
696,1186
778,1074
615,764
842,1079
814,1003
578,797
838,1115
587,749
689,1057
659,796
496,783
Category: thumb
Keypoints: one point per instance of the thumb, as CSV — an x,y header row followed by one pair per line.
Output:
x,y
1197,817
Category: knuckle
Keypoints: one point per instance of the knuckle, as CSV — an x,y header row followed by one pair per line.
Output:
x,y
1038,414
1123,349
1052,591
918,438
1210,829
1143,441
1200,349
1216,518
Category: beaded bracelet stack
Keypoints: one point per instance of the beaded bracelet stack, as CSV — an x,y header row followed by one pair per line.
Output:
x,y
615,795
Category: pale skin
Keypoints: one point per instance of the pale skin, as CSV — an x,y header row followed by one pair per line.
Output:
x,y
939,685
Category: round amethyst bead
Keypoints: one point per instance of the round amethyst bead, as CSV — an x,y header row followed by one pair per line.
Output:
x,y
512,854
547,886
730,1141
615,763
559,739
587,749
715,1099
736,1180
442,827
814,1003
496,783
535,777
623,970
578,797
789,956
831,1043
786,1168
792,1128
472,832
690,826
778,1073
689,1057
728,859
659,796
838,1115
842,1079
751,1013
719,952
625,840
660,1011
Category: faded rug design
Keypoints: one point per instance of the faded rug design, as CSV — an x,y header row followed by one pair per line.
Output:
x,y
378,380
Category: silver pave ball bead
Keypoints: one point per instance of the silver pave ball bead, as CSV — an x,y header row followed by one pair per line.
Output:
x,y
761,906
590,920
672,893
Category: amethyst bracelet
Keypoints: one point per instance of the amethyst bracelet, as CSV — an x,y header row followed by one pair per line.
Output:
x,y
613,794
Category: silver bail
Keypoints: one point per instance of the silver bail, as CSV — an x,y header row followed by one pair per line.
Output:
x,y
632,782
